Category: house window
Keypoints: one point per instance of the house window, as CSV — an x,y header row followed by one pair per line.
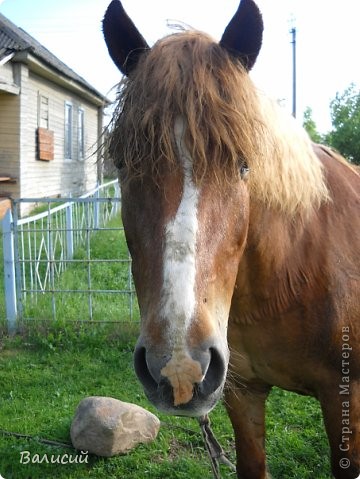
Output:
x,y
44,136
68,130
81,136
43,111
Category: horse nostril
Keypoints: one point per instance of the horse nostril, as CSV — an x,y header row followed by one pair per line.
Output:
x,y
215,374
182,390
142,370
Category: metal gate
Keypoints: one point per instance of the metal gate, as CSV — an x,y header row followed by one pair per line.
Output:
x,y
69,261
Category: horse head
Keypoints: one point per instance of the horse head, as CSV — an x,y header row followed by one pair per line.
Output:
x,y
185,220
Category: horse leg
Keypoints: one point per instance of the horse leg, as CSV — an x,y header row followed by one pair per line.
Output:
x,y
246,410
341,411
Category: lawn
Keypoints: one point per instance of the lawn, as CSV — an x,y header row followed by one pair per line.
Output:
x,y
48,370
49,367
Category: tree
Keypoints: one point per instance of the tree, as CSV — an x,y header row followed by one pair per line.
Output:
x,y
345,118
310,126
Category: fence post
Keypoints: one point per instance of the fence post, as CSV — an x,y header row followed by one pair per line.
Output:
x,y
9,272
69,231
96,207
118,196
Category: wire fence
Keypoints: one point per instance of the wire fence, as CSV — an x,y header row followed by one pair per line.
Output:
x,y
69,261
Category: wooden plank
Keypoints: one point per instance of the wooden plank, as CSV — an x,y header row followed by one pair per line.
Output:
x,y
7,179
45,148
45,143
5,204
46,155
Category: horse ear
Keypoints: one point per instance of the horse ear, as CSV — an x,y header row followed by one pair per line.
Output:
x,y
125,43
243,36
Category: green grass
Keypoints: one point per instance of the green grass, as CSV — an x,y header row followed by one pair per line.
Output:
x,y
48,370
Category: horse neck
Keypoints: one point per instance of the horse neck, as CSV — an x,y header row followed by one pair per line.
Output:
x,y
271,269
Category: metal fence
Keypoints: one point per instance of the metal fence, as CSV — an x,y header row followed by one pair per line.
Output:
x,y
69,261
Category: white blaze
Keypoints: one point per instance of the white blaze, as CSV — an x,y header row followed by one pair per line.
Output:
x,y
178,294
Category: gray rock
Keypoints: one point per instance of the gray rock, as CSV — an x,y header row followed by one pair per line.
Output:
x,y
105,426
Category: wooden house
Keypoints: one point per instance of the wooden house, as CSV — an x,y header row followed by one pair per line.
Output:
x,y
51,120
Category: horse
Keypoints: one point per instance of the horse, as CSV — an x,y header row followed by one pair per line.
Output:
x,y
244,238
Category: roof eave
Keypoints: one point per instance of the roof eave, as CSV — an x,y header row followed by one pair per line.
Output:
x,y
6,58
38,66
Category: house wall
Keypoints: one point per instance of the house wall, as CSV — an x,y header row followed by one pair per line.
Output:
x,y
10,143
6,73
61,176
19,119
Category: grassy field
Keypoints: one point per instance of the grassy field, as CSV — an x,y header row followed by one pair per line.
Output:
x,y
48,368
47,371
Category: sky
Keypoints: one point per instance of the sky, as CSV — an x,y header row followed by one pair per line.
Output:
x,y
328,38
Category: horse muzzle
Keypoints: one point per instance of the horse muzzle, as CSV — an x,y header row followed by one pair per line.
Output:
x,y
182,382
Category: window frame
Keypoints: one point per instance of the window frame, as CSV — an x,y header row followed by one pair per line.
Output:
x,y
43,111
68,131
81,133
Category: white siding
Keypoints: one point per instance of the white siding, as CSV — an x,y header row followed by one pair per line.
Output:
x,y
6,74
58,177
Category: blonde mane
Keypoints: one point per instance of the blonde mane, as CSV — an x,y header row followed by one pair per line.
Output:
x,y
229,123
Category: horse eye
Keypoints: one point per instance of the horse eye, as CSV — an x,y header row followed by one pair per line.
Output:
x,y
244,170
